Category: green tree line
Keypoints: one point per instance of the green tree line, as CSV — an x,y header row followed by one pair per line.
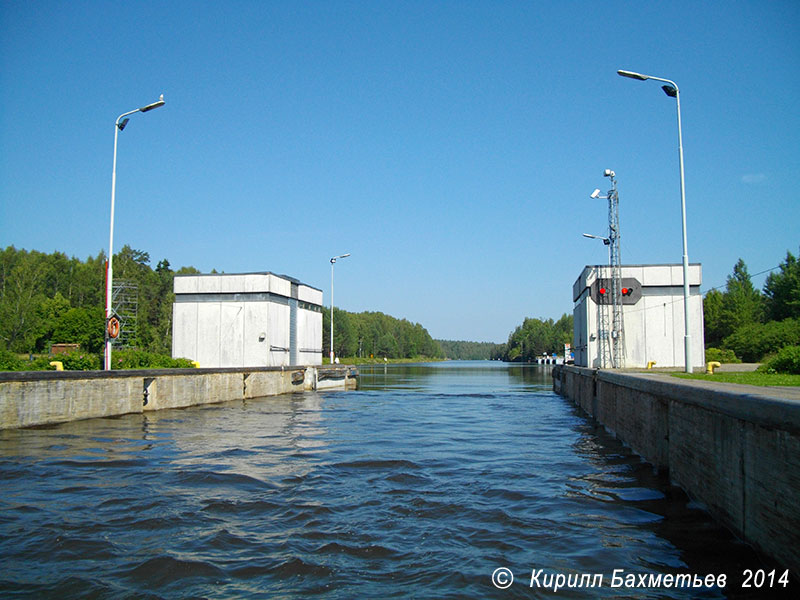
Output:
x,y
744,323
536,337
50,298
462,350
376,334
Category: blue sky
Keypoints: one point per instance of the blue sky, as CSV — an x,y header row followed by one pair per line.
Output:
x,y
450,147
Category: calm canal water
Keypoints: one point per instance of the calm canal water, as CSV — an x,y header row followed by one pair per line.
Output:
x,y
420,485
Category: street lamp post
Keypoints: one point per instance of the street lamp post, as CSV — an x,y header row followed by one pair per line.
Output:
x,y
119,125
671,90
333,262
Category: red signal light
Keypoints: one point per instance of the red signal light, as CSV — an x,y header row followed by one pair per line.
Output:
x,y
602,291
625,291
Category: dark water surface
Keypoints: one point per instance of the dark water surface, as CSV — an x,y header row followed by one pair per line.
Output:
x,y
419,485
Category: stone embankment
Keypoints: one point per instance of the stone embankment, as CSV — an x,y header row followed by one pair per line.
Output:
x,y
43,397
734,448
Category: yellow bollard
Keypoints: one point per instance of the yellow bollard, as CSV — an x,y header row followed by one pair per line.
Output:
x,y
57,364
711,366
650,364
195,364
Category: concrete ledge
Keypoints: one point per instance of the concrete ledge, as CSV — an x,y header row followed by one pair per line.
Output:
x,y
770,407
43,397
734,448
27,403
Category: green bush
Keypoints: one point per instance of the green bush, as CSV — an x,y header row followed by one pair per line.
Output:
x,y
787,360
754,341
79,361
10,362
87,361
723,356
139,359
82,326
40,363
182,363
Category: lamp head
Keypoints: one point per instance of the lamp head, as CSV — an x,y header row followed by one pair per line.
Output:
x,y
153,105
632,75
122,123
608,173
595,194
606,241
670,91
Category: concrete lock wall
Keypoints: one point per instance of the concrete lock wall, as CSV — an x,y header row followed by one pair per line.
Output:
x,y
40,398
736,449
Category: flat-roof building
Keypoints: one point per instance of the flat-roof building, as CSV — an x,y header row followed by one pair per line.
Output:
x,y
246,320
652,316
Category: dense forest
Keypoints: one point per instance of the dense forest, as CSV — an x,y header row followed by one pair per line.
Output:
x,y
50,298
374,334
743,323
536,337
460,350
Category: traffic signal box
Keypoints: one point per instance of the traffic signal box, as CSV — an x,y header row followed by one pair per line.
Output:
x,y
630,292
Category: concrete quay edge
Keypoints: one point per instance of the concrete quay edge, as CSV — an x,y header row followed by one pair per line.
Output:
x,y
734,448
771,407
123,373
32,398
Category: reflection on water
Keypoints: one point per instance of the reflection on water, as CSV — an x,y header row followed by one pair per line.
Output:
x,y
454,376
420,484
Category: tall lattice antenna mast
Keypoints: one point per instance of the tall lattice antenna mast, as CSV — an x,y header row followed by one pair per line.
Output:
x,y
617,324
611,334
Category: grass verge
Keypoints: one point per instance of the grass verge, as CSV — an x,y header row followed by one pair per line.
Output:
x,y
748,378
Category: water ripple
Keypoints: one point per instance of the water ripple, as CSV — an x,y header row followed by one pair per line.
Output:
x,y
418,486
164,569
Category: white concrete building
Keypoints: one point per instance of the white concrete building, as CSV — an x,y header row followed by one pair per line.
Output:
x,y
246,320
652,315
